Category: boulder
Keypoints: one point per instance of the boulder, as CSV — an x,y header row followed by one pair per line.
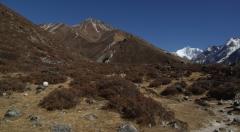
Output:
x,y
90,117
61,128
127,128
12,113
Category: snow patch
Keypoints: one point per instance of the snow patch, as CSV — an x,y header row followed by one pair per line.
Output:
x,y
95,27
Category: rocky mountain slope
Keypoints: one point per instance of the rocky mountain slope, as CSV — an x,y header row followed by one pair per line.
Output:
x,y
102,43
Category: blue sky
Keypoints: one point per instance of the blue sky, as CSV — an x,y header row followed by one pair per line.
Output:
x,y
168,24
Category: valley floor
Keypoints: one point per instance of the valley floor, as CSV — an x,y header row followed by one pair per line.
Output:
x,y
90,117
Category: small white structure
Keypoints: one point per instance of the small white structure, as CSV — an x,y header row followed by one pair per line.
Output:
x,y
45,84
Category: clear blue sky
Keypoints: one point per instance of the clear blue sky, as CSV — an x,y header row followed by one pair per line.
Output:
x,y
168,24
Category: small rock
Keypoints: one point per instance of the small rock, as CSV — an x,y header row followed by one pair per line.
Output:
x,y
202,102
222,129
221,111
150,125
218,121
127,128
122,75
179,88
236,103
89,101
90,117
35,120
61,128
173,125
220,102
40,88
236,120
237,108
186,98
25,94
12,113
61,86
4,94
229,113
227,120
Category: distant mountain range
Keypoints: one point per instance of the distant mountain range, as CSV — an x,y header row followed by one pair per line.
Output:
x,y
228,53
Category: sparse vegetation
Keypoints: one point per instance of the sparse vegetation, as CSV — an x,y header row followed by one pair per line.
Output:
x,y
12,85
123,97
160,81
60,99
51,76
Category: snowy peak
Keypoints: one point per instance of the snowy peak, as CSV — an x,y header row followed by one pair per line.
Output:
x,y
231,46
233,42
189,53
221,54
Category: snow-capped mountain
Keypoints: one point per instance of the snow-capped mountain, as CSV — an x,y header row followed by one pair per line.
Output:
x,y
189,53
228,53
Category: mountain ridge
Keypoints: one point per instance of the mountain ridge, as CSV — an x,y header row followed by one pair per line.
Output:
x,y
102,43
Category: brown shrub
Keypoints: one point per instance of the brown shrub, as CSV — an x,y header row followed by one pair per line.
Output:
x,y
158,82
200,87
60,99
176,88
196,90
51,77
12,84
224,91
169,91
135,78
124,97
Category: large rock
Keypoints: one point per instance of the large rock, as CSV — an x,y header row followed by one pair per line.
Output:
x,y
90,117
12,113
61,128
127,128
